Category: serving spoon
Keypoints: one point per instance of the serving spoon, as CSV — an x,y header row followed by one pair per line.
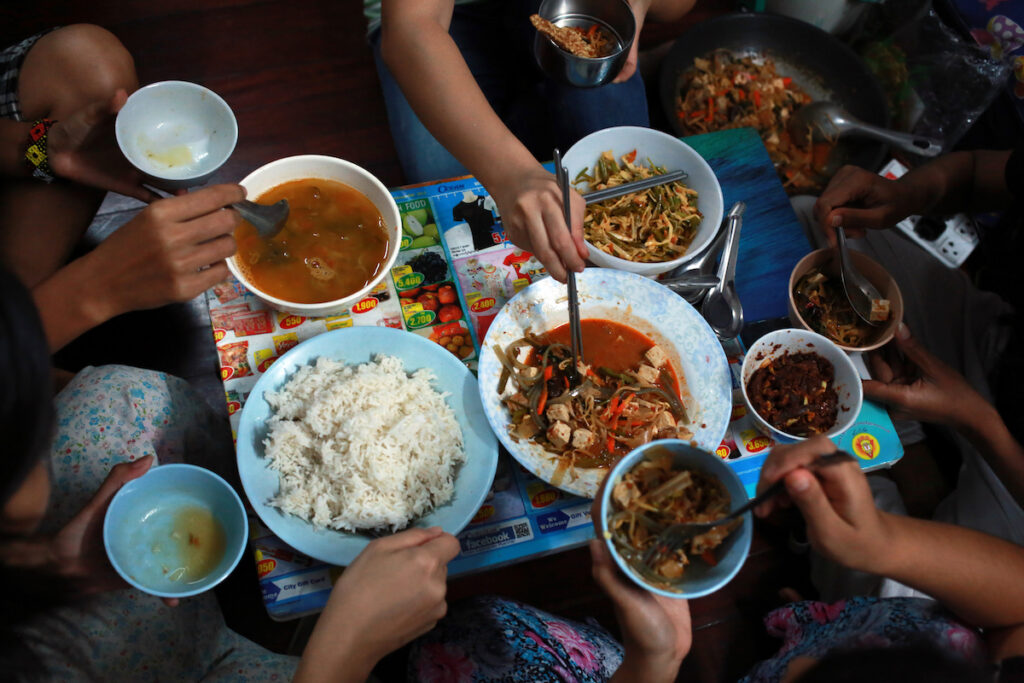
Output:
x,y
268,220
858,289
722,307
827,121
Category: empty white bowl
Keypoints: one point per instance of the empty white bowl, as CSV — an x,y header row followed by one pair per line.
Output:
x,y
846,379
177,133
306,166
142,516
663,150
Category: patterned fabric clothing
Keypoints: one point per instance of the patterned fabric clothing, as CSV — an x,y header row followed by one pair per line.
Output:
x,y
492,639
11,60
105,416
813,629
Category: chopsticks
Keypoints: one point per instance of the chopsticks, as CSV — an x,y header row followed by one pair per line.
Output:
x,y
635,186
575,332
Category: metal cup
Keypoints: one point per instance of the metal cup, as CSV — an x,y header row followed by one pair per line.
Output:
x,y
613,16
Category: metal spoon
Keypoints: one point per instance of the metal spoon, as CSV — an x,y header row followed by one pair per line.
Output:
x,y
722,308
826,121
859,291
268,220
700,266
690,282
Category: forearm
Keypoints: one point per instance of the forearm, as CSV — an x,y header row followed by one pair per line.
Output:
x,y
70,302
445,96
989,434
332,657
974,575
960,181
13,143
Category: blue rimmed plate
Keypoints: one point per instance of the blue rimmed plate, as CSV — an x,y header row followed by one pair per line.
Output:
x,y
631,300
357,345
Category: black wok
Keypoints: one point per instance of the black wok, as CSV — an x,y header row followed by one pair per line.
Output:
x,y
825,68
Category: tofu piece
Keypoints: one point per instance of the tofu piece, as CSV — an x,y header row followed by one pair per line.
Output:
x,y
655,356
558,434
879,310
583,439
558,412
647,374
664,420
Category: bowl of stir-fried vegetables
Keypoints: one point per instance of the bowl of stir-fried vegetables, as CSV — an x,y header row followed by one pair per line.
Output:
x,y
654,231
818,303
668,482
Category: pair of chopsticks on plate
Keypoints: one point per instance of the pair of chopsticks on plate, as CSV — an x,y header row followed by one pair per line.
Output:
x,y
562,176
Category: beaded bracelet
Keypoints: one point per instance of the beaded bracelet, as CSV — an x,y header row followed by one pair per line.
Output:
x,y
36,154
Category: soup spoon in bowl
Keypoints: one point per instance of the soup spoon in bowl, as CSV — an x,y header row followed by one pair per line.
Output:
x,y
268,220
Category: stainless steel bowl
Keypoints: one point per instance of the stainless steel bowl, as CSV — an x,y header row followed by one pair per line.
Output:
x,y
613,16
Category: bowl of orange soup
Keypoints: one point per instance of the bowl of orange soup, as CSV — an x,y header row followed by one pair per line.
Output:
x,y
341,237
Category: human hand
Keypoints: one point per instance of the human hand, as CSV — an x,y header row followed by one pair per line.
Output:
x,y
656,629
916,385
393,592
639,8
76,553
83,148
843,523
171,251
859,200
530,204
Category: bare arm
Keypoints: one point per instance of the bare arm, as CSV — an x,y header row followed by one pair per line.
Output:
x,y
922,387
973,574
448,101
961,181
172,251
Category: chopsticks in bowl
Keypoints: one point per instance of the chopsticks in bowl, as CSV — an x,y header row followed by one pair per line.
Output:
x,y
635,186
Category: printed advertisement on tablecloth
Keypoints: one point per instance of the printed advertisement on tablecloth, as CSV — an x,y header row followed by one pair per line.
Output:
x,y
454,272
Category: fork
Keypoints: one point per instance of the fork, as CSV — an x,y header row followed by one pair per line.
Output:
x,y
675,536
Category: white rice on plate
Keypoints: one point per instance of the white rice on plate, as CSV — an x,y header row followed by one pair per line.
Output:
x,y
362,447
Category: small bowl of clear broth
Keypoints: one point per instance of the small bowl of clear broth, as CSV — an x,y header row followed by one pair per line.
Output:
x,y
176,531
341,238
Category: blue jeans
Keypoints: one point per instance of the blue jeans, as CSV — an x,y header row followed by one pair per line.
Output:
x,y
496,40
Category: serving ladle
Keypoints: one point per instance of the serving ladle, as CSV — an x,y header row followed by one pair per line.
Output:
x,y
859,290
268,220
827,122
722,307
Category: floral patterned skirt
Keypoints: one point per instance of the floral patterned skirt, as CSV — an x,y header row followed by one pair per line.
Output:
x,y
492,639
813,629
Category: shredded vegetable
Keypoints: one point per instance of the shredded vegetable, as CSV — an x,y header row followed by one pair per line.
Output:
x,y
822,303
725,91
653,496
652,226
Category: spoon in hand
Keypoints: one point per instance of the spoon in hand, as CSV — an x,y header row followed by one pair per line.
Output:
x,y
268,220
859,291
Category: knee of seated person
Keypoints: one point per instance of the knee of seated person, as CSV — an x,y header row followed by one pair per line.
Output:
x,y
72,67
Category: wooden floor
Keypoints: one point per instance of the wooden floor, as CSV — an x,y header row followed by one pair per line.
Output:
x,y
300,79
